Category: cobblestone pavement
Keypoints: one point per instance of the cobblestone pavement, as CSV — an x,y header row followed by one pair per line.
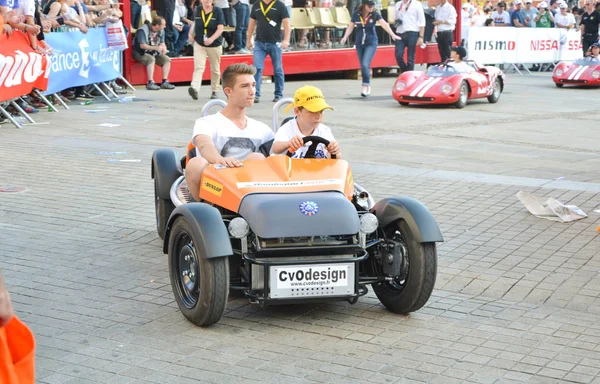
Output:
x,y
517,298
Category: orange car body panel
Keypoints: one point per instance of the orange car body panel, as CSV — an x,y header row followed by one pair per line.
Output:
x,y
226,187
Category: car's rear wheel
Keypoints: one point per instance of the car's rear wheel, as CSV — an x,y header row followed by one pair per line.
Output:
x,y
463,95
495,96
558,85
200,285
403,103
410,290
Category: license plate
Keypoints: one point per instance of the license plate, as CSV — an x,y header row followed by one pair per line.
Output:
x,y
312,280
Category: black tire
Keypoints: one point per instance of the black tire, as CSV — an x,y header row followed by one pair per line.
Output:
x,y
200,285
413,292
403,103
558,85
495,96
463,95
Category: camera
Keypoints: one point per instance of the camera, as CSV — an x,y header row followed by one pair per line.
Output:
x,y
398,22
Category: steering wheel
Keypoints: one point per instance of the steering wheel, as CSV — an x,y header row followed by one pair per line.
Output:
x,y
310,153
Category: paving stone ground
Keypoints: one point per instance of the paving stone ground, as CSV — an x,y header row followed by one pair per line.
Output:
x,y
517,298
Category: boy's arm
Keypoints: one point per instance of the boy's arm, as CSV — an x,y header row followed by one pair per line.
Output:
x,y
6,311
209,152
294,143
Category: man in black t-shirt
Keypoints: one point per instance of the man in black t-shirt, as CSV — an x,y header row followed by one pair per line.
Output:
x,y
590,21
267,16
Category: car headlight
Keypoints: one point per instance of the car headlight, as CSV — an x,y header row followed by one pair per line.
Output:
x,y
558,72
596,74
446,88
400,85
368,223
238,227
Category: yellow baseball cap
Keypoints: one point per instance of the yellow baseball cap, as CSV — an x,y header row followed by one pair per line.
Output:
x,y
309,97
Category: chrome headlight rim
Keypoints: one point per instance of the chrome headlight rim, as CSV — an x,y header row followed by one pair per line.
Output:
x,y
596,74
400,85
238,228
368,223
558,72
446,89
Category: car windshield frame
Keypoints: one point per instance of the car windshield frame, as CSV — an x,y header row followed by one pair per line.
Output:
x,y
586,62
436,71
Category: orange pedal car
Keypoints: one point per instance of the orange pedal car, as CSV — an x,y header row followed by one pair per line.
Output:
x,y
284,231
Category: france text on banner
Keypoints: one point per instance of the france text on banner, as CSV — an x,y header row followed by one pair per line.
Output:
x,y
489,45
21,68
81,59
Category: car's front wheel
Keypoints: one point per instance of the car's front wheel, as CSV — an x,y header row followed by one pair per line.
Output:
x,y
403,103
411,289
559,85
463,95
495,96
200,285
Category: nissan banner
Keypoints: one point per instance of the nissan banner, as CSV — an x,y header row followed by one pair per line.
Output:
x,y
495,45
81,59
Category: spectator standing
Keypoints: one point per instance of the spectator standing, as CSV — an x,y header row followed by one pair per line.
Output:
x,y
166,9
465,24
589,26
150,49
410,26
206,35
511,9
478,18
518,17
564,19
266,17
544,19
365,19
224,5
445,22
500,16
530,13
242,17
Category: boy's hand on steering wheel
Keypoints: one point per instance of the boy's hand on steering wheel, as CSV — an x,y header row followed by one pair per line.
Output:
x,y
296,143
334,148
229,162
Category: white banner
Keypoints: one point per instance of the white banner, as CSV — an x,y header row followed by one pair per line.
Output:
x,y
498,45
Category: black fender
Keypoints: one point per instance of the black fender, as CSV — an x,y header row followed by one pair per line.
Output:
x,y
208,227
413,212
165,171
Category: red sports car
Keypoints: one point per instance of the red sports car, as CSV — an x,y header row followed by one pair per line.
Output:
x,y
445,84
583,72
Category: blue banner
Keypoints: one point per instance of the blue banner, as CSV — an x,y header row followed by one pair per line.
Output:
x,y
81,59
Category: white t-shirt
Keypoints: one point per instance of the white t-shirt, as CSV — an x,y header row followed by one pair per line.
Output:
x,y
501,18
26,8
229,139
567,19
461,67
290,129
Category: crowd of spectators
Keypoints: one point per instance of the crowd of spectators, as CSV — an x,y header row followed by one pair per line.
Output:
x,y
35,18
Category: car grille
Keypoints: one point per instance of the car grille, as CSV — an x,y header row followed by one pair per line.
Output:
x,y
573,81
415,98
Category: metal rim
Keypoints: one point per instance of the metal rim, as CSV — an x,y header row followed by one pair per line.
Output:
x,y
464,92
186,269
496,92
397,283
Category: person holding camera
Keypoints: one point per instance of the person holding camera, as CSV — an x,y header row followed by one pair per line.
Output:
x,y
544,19
365,18
149,49
410,25
445,22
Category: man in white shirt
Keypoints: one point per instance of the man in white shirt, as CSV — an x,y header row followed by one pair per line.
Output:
x,y
410,25
500,16
564,19
309,105
445,22
229,136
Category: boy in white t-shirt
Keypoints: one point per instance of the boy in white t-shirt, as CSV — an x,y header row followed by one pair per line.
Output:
x,y
309,105
229,136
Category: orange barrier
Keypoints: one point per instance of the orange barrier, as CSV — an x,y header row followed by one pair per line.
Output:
x,y
21,68
17,347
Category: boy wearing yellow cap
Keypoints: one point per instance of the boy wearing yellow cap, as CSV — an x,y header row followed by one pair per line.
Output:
x,y
309,105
